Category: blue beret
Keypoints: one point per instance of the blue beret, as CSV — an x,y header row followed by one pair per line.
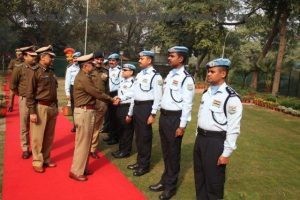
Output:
x,y
220,62
178,49
147,53
114,56
129,66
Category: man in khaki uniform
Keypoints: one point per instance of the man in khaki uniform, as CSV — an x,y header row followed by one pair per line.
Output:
x,y
42,103
100,79
85,95
18,86
12,64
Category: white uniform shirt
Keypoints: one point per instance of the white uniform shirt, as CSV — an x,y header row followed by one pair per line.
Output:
x,y
178,94
125,92
114,78
71,73
147,86
211,116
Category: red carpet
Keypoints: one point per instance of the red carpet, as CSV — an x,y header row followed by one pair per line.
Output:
x,y
20,182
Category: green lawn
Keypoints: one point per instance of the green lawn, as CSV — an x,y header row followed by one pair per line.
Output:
x,y
266,164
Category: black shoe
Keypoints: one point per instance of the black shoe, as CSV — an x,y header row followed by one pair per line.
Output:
x,y
121,155
115,153
167,194
26,154
106,139
133,166
94,155
157,187
140,171
73,130
112,142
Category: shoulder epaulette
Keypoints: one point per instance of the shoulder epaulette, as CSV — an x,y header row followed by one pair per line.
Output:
x,y
18,64
231,93
187,75
35,67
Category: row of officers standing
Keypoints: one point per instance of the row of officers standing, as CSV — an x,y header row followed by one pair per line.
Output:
x,y
127,103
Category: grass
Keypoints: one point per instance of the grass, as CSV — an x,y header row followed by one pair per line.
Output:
x,y
266,164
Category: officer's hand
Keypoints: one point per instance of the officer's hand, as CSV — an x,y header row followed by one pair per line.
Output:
x,y
179,132
223,160
151,120
33,118
10,108
128,119
116,101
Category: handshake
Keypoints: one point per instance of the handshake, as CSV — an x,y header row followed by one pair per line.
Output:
x,y
116,101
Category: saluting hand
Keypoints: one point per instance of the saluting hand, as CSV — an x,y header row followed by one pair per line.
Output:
x,y
223,160
33,118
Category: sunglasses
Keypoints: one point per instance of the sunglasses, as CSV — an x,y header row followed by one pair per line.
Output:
x,y
125,70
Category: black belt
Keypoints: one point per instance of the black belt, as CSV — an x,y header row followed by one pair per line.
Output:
x,y
47,103
87,107
143,102
206,133
170,112
113,93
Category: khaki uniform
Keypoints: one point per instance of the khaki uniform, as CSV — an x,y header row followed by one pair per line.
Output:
x,y
13,63
19,86
85,95
42,100
99,78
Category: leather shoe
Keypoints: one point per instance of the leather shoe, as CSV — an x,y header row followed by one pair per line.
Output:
x,y
94,155
87,172
157,187
133,166
50,164
112,142
38,169
140,171
106,139
115,153
167,194
121,155
78,178
26,154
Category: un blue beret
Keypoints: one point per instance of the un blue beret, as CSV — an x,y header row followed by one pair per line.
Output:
x,y
179,49
220,62
129,66
114,56
147,53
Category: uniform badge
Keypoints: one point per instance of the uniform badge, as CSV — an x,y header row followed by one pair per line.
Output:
x,y
232,109
145,80
160,82
104,76
216,103
175,82
190,86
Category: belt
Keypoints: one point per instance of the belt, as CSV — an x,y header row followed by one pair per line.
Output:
x,y
170,112
113,93
143,102
125,105
46,103
206,133
87,107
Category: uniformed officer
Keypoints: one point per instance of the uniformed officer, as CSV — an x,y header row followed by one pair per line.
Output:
x,y
114,84
85,95
19,86
175,113
218,127
14,62
125,93
69,51
41,101
71,73
100,78
147,96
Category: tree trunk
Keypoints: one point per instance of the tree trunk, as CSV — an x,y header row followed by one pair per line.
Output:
x,y
199,61
281,51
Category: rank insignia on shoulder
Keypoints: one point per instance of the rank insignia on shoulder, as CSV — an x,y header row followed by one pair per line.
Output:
x,y
190,86
216,103
160,82
232,109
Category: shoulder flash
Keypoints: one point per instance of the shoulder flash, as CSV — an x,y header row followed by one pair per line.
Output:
x,y
231,92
